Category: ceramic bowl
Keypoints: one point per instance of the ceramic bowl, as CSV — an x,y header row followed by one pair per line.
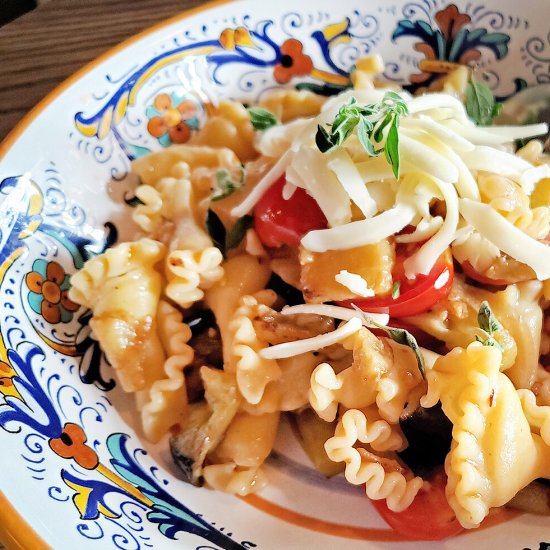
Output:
x,y
75,471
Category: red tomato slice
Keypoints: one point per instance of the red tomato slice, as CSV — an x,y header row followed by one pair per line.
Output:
x,y
278,221
417,295
473,274
429,517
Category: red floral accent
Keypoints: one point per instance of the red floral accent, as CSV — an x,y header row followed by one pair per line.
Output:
x,y
450,21
54,291
293,62
72,444
172,119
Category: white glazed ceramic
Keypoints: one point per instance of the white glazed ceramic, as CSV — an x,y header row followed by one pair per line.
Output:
x,y
72,462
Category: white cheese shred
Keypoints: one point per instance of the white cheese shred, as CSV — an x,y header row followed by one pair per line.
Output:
x,y
276,171
355,283
336,312
361,232
507,237
290,349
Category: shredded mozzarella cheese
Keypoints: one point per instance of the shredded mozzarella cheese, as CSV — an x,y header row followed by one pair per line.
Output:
x,y
507,237
355,283
337,312
290,349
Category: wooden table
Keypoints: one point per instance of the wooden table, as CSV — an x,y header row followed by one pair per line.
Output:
x,y
42,48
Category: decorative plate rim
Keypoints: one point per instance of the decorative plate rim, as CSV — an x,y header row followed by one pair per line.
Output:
x,y
14,528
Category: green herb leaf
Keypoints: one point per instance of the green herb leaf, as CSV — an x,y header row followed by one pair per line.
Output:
x,y
487,320
376,124
216,230
226,185
132,202
396,290
480,103
323,140
236,234
261,119
391,149
401,336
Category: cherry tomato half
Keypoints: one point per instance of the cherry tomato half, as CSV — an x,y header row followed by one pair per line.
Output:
x,y
417,295
278,221
429,517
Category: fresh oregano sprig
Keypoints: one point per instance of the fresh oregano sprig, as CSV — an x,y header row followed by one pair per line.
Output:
x,y
376,124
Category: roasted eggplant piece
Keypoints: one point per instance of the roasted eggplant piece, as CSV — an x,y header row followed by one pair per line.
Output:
x,y
429,433
206,423
312,433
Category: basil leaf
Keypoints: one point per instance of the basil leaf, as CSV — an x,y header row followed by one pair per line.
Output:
x,y
216,230
236,234
487,320
480,103
226,185
396,290
261,119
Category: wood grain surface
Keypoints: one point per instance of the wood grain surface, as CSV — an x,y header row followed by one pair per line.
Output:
x,y
41,49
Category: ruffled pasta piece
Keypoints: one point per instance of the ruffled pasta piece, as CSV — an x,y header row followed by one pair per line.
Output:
x,y
366,70
189,272
243,274
228,126
164,404
398,487
537,416
122,288
380,373
233,479
252,371
454,321
290,391
238,458
494,453
511,201
155,166
289,104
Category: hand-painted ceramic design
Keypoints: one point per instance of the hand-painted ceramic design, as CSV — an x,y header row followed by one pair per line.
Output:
x,y
72,460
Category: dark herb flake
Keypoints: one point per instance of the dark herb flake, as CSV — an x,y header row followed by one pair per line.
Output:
x,y
261,119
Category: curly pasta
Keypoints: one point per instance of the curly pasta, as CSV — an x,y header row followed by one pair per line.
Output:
x,y
228,126
122,288
164,404
252,371
380,373
189,272
488,424
510,200
288,104
398,487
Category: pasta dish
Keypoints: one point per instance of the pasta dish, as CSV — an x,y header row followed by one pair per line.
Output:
x,y
375,266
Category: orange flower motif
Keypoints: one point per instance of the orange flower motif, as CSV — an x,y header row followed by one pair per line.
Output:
x,y
171,119
49,286
72,444
293,61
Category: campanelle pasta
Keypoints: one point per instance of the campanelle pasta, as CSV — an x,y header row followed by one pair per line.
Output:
x,y
295,255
